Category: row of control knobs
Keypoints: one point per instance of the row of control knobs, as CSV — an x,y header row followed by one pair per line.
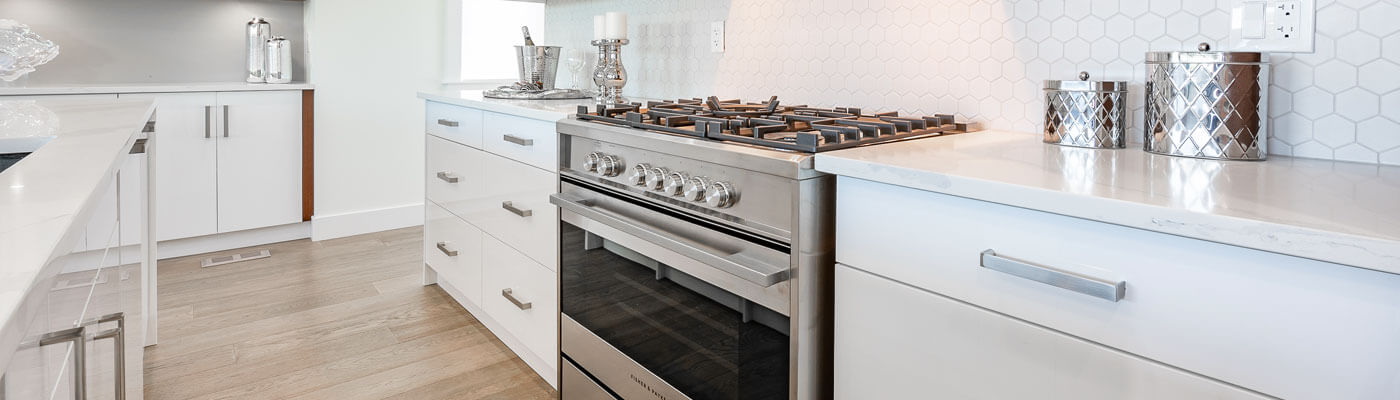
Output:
x,y
673,183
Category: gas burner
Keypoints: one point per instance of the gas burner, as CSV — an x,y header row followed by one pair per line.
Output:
x,y
769,124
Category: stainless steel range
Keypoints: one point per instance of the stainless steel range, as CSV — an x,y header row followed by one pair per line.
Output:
x,y
696,246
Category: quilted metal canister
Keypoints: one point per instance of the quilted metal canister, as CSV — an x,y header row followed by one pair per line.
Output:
x,y
1085,113
1207,104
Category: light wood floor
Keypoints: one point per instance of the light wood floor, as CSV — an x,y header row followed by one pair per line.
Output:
x,y
336,319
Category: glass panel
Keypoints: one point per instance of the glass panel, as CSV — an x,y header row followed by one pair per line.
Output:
x,y
695,343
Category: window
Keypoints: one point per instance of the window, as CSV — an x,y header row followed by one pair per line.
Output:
x,y
482,35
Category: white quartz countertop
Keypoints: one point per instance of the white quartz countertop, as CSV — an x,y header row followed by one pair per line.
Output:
x,y
1339,212
103,88
548,110
50,192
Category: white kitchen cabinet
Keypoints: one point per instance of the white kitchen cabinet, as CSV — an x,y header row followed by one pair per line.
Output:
x,y
899,342
1274,324
185,177
488,180
226,162
259,159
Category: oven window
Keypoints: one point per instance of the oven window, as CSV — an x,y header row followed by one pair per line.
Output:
x,y
698,344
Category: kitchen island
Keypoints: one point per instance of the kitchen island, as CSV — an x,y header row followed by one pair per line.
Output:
x,y
1112,273
49,199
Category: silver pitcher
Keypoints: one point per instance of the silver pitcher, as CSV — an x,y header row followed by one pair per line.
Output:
x,y
258,32
1207,104
279,60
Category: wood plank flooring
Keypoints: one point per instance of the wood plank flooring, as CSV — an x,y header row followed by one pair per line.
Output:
x,y
336,319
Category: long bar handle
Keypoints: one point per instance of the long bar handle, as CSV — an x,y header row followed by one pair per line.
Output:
x,y
757,272
510,295
447,123
75,336
516,210
518,140
225,120
1097,287
118,335
442,246
208,112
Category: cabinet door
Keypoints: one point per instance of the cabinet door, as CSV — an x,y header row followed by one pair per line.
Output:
x,y
183,150
259,159
893,341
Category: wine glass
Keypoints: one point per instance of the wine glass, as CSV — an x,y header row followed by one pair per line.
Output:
x,y
575,62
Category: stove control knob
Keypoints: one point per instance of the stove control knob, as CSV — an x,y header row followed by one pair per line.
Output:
x,y
590,162
675,183
639,174
695,189
610,166
721,195
656,177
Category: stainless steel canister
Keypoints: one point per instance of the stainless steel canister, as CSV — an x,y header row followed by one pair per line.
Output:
x,y
1086,113
538,65
1207,104
258,32
279,60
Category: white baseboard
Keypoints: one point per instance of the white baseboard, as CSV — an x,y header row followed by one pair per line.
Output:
x,y
535,361
232,240
369,221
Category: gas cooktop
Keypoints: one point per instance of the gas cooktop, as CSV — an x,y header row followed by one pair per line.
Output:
x,y
772,125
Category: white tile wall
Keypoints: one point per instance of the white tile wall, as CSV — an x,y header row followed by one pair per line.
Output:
x,y
985,60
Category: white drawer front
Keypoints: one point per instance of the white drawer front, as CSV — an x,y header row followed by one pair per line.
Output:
x,y
1284,326
454,174
535,325
455,123
897,342
517,209
526,140
453,248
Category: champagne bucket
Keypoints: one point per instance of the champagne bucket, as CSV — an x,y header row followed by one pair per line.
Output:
x,y
279,60
1207,104
538,65
258,32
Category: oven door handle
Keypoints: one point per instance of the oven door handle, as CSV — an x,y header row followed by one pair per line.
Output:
x,y
752,270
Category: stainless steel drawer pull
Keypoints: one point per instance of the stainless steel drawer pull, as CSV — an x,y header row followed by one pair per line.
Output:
x,y
447,177
225,120
519,140
448,122
75,336
511,207
119,349
1101,288
509,295
442,246
208,110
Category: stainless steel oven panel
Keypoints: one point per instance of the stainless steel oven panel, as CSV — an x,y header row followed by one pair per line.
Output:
x,y
574,385
763,204
614,369
751,271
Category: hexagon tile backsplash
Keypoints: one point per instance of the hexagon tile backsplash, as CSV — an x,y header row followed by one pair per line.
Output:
x,y
985,60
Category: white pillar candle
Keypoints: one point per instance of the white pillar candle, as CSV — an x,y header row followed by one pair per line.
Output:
x,y
616,25
598,27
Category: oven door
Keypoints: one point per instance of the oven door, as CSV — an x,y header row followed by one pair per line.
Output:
x,y
656,304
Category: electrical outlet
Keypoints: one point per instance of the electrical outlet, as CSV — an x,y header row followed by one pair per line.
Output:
x,y
1284,26
717,37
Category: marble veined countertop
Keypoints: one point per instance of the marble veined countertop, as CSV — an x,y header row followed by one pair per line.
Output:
x,y
175,87
1339,212
548,110
51,192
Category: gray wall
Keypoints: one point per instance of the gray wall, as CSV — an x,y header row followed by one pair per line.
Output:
x,y
148,41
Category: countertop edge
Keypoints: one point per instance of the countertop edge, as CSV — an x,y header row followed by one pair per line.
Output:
x,y
192,87
494,107
1310,243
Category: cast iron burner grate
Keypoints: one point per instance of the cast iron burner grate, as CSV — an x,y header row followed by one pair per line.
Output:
x,y
769,124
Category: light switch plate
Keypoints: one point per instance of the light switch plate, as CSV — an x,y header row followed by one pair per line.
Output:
x,y
1277,26
717,37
